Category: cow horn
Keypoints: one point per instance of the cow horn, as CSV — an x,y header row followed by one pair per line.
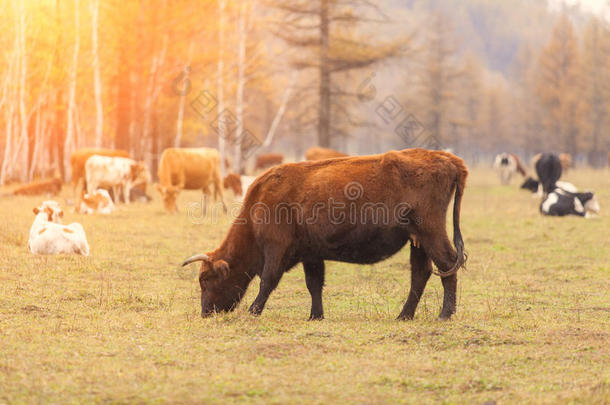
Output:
x,y
196,258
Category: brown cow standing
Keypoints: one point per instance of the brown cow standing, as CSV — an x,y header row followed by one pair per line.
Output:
x,y
266,160
309,212
319,153
189,169
79,158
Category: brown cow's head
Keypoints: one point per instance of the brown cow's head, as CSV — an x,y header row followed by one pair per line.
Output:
x,y
233,182
52,209
169,195
219,291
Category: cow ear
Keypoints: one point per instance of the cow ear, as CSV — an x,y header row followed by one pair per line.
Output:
x,y
36,211
221,268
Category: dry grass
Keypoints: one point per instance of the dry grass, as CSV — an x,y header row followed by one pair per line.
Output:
x,y
123,326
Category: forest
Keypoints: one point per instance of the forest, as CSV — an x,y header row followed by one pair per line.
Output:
x,y
477,77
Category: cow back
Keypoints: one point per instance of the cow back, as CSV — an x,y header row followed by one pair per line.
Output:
x,y
199,166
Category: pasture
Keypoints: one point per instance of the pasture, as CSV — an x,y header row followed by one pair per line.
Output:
x,y
123,325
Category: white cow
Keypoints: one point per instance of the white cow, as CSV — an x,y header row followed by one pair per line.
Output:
x,y
507,164
98,202
48,236
116,173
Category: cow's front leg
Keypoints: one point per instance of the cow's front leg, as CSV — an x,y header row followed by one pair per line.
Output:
x,y
270,277
115,194
314,278
127,193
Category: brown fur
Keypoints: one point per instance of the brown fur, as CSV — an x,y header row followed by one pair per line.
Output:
x,y
566,161
189,169
42,231
93,201
520,167
67,230
79,158
50,186
266,160
233,182
420,181
319,153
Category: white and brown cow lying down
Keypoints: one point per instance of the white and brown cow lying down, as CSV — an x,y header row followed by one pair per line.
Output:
x,y
98,202
48,236
507,164
561,202
117,173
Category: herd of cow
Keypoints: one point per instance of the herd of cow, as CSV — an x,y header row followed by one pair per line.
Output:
x,y
103,177
558,198
414,185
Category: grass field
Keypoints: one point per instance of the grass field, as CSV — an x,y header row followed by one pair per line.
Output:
x,y
123,325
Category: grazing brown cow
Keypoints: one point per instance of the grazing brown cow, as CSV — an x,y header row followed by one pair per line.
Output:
x,y
189,169
79,158
356,210
319,153
266,160
233,182
566,161
50,186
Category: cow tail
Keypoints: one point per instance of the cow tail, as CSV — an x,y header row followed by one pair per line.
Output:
x,y
458,241
520,167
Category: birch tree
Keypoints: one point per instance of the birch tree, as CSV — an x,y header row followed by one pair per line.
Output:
x,y
97,81
220,84
70,117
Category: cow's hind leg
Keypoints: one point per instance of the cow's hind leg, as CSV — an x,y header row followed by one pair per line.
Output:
x,y
270,277
421,268
440,250
314,278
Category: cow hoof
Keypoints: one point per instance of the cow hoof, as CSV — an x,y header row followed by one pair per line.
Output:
x,y
255,311
315,317
444,317
404,318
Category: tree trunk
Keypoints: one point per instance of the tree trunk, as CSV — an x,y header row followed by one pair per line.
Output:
x,y
241,81
124,95
324,90
70,133
7,94
22,160
183,89
221,104
56,146
97,81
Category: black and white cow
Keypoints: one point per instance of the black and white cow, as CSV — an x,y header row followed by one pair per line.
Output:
x,y
560,202
548,169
